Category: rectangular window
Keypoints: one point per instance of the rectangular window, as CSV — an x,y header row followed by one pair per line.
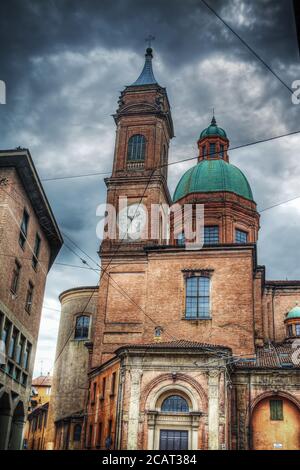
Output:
x,y
15,277
222,150
26,359
20,350
113,384
94,393
212,150
276,410
12,344
90,436
297,326
198,297
211,235
99,436
5,332
203,151
241,236
290,330
24,379
36,251
29,297
24,229
103,388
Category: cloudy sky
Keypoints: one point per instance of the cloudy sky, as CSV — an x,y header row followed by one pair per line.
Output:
x,y
64,63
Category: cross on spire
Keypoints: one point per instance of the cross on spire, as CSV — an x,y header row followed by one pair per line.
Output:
x,y
149,39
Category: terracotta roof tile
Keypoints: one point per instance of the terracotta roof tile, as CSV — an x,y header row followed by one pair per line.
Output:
x,y
42,380
272,356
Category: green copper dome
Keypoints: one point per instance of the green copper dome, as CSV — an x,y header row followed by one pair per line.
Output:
x,y
213,130
294,313
211,176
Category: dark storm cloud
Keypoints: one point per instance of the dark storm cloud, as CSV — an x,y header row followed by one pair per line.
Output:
x,y
64,63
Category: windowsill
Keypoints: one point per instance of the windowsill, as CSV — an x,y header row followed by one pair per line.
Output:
x,y
196,319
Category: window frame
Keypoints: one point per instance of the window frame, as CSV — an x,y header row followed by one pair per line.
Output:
x,y
29,297
83,327
204,300
36,251
113,384
297,327
290,330
239,231
222,151
212,236
212,153
136,148
276,413
15,277
24,228
175,398
76,433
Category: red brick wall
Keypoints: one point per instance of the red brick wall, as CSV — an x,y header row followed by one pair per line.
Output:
x,y
13,200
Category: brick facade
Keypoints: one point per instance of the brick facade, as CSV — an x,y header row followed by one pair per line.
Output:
x,y
21,301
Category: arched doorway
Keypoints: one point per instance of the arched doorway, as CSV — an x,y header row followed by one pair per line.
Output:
x,y
174,423
275,424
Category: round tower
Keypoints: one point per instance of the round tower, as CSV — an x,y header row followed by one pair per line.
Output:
x,y
70,380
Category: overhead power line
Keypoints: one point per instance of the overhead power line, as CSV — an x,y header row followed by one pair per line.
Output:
x,y
256,55
248,144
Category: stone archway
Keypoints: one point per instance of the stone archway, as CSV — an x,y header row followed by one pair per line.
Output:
x,y
5,419
181,426
275,423
17,425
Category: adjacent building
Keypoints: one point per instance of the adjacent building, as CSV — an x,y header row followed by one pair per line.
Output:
x,y
70,385
189,349
37,419
29,243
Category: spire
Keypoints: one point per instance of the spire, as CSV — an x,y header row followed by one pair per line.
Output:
x,y
147,76
213,121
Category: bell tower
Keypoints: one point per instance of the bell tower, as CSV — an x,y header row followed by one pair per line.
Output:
x,y
144,130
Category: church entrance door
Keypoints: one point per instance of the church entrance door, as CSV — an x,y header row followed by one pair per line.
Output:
x,y
173,440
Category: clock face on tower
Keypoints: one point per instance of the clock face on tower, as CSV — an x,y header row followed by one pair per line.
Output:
x,y
132,220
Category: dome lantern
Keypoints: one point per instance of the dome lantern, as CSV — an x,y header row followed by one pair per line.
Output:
x,y
213,142
292,322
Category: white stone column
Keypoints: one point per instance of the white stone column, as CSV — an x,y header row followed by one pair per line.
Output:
x,y
134,409
213,410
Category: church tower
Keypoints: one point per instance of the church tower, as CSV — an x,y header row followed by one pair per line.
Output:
x,y
144,129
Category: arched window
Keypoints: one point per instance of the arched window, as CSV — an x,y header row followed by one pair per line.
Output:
x,y
175,404
77,433
82,327
136,148
197,297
